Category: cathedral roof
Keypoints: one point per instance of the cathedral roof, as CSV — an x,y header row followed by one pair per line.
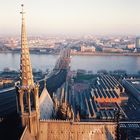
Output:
x,y
46,104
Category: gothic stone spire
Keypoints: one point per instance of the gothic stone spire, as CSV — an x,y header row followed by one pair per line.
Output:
x,y
25,62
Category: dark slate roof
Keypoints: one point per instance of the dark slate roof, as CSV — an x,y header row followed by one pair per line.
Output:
x,y
7,102
8,97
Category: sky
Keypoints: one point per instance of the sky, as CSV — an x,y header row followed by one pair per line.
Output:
x,y
97,17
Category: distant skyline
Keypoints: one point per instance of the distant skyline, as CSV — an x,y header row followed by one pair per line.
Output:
x,y
71,17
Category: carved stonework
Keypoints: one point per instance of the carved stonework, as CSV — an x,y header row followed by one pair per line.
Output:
x,y
27,91
59,130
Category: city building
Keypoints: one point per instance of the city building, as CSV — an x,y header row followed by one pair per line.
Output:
x,y
108,89
137,45
137,42
87,48
112,50
73,51
108,95
131,46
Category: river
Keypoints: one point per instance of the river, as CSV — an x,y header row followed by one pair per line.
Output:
x,y
44,61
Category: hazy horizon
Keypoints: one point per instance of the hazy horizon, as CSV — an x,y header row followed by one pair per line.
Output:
x,y
72,17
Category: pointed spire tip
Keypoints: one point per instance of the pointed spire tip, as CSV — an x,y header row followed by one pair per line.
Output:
x,y
22,12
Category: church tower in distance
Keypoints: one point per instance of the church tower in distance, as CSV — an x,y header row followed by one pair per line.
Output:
x,y
27,90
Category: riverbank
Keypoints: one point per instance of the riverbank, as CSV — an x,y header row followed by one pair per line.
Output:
x,y
77,53
31,52
104,54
